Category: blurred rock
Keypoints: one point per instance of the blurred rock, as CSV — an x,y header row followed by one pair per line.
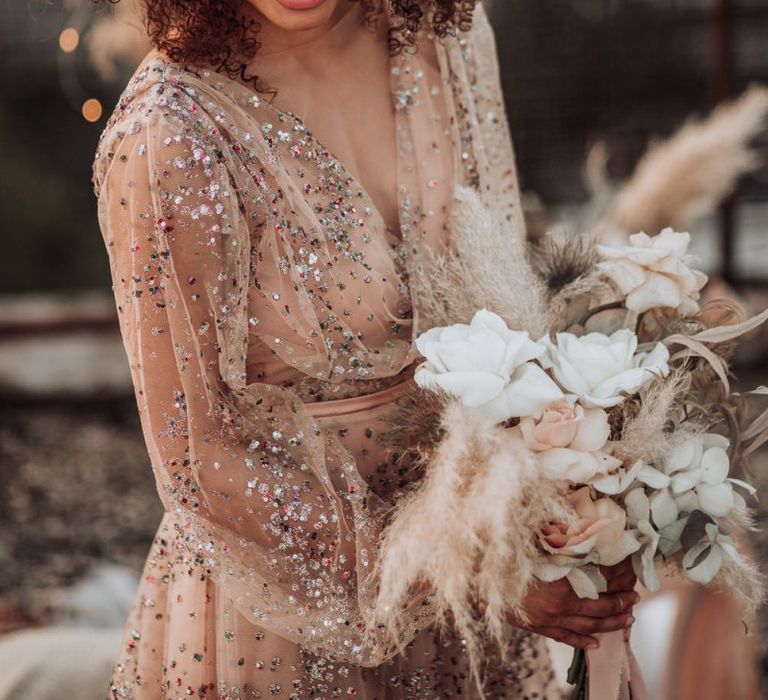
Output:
x,y
61,346
77,492
73,658
102,599
76,364
57,663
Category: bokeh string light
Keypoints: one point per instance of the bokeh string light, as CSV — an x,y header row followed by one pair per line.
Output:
x,y
69,40
92,110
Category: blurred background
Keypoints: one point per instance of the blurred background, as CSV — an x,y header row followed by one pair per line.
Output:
x,y
590,86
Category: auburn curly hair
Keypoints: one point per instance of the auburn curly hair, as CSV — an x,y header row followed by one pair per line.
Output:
x,y
215,33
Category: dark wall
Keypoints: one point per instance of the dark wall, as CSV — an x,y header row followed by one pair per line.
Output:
x,y
622,70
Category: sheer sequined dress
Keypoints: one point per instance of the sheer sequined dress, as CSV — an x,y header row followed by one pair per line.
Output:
x,y
266,310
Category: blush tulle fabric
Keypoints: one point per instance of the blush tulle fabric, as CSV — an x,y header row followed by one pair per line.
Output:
x,y
269,316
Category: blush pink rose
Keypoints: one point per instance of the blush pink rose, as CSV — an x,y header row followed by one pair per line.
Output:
x,y
566,424
599,526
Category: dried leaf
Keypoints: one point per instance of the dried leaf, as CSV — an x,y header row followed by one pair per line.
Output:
x,y
696,348
722,334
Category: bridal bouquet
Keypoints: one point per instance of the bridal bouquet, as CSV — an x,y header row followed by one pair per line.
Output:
x,y
574,410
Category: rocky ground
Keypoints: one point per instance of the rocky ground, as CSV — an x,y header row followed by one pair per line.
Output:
x,y
76,490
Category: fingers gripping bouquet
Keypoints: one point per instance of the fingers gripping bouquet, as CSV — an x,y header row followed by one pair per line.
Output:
x,y
574,411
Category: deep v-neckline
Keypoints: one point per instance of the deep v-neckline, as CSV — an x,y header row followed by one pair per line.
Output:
x,y
392,229
394,234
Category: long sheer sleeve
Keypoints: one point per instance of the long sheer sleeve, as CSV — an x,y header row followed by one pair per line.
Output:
x,y
273,508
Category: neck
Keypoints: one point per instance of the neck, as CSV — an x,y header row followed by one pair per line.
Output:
x,y
274,39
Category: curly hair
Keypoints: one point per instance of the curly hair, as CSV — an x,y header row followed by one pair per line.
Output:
x,y
216,34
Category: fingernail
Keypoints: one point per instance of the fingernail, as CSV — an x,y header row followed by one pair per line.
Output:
x,y
629,622
593,645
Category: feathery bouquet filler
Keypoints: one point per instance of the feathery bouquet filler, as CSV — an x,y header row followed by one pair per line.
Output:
x,y
574,410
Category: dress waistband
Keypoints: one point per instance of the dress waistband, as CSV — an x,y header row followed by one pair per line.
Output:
x,y
343,407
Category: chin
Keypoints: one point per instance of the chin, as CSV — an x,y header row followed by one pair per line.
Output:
x,y
296,15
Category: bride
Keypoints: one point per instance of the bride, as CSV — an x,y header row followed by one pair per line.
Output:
x,y
267,186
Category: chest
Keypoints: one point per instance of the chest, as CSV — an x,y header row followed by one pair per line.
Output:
x,y
347,103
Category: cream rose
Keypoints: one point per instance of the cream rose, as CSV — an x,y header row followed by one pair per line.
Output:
x,y
566,424
600,369
652,271
569,440
487,366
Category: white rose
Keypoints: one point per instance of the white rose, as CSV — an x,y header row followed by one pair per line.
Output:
x,y
600,369
486,365
652,271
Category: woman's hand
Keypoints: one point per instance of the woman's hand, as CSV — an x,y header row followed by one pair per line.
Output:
x,y
555,611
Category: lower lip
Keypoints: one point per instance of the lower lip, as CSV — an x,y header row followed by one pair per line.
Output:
x,y
301,4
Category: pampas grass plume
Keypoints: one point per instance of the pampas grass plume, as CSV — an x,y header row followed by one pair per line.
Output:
x,y
689,174
485,268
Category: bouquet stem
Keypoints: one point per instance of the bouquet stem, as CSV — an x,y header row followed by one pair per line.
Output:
x,y
578,675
